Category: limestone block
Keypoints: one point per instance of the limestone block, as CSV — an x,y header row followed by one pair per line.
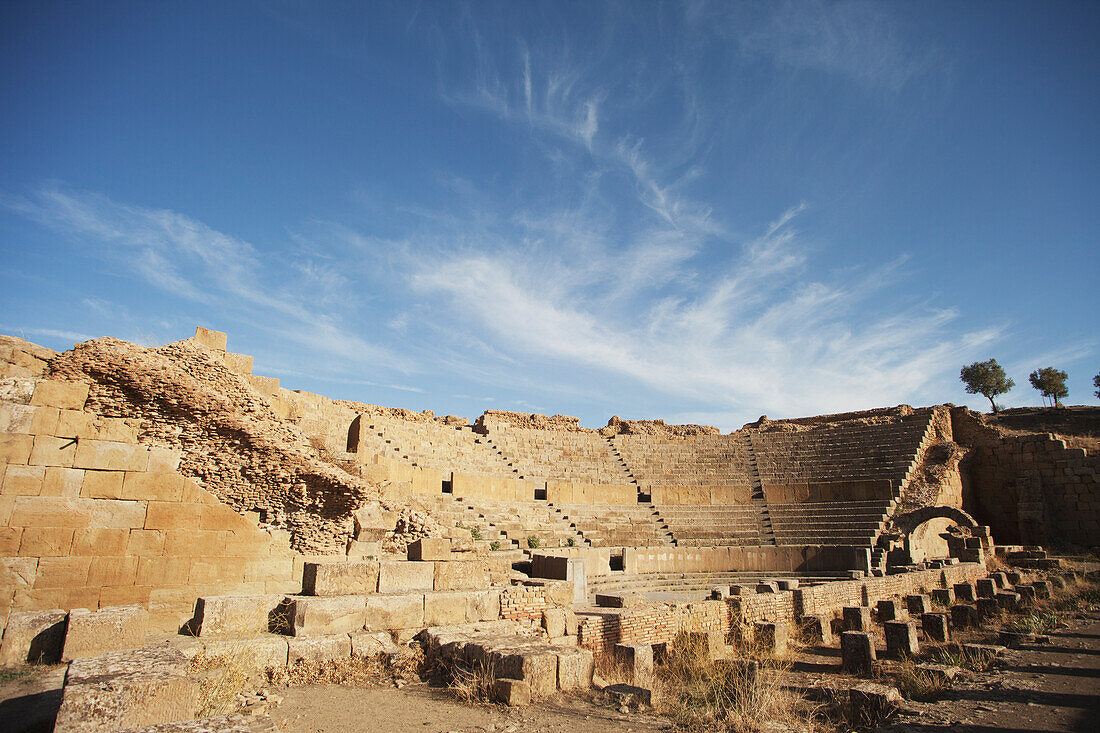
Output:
x,y
91,633
918,604
575,667
772,636
857,618
15,448
857,651
964,617
239,615
102,485
817,629
1008,600
1043,589
901,638
49,451
62,395
966,592
537,666
446,608
387,612
213,340
33,636
318,616
119,692
405,577
889,610
987,588
364,549
553,621
943,596
62,482
988,608
982,653
872,703
935,626
152,486
510,692
319,649
255,652
427,549
340,578
461,575
106,455
239,363
638,660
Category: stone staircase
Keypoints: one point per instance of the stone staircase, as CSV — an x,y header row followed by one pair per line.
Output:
x,y
617,525
520,525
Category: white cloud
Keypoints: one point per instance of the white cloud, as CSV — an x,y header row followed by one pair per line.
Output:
x,y
188,259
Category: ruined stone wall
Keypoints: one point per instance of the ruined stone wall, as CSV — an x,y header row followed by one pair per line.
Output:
x,y
91,518
503,420
618,426
1035,490
233,441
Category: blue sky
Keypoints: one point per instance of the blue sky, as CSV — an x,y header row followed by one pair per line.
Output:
x,y
701,212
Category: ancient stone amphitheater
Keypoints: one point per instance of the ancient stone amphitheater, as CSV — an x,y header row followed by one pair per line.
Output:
x,y
161,502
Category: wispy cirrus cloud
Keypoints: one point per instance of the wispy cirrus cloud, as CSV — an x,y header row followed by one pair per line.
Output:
x,y
189,259
856,39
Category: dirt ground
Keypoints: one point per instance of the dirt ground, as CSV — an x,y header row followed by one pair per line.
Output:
x,y
419,708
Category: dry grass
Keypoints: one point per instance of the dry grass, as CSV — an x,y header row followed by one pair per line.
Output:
x,y
223,677
346,671
919,684
472,685
740,695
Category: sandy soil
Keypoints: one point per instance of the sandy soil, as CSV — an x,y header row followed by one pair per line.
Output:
x,y
419,709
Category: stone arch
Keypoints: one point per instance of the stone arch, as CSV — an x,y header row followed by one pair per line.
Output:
x,y
925,531
911,520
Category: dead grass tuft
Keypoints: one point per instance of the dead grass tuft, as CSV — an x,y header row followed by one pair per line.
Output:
x,y
346,671
741,694
919,684
223,677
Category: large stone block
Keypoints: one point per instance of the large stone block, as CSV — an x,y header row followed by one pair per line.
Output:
x,y
461,575
340,578
447,608
936,626
485,605
33,636
638,660
387,612
123,691
537,666
62,395
429,548
240,615
91,633
255,653
575,668
50,451
857,651
509,692
213,340
316,616
105,455
857,618
319,649
405,577
901,638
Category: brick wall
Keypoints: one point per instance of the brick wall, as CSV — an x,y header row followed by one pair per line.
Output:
x,y
527,601
90,518
651,624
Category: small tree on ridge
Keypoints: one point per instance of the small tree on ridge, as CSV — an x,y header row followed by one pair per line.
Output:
x,y
1050,382
1096,383
986,378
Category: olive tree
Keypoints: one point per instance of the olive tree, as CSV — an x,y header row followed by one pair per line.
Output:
x,y
986,378
1050,382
